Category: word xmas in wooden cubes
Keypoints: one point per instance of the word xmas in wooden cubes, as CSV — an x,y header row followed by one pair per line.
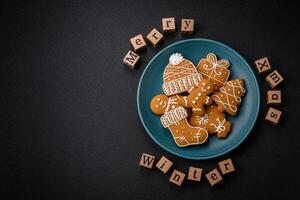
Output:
x,y
194,174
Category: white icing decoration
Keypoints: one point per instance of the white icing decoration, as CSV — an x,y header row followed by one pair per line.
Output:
x,y
202,119
220,127
175,59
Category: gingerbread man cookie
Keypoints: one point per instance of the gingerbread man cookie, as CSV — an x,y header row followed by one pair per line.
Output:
x,y
213,121
198,96
175,118
214,70
179,75
229,97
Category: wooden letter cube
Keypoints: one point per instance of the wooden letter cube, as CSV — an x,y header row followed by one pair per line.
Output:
x,y
187,26
273,116
274,97
263,65
131,59
164,164
177,177
226,166
154,37
274,79
195,174
213,177
138,42
168,24
147,160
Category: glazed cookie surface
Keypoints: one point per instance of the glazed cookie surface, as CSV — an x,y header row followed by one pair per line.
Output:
x,y
162,103
214,70
213,121
198,96
230,96
179,75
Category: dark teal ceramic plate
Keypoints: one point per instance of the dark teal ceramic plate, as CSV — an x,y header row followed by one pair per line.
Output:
x,y
194,50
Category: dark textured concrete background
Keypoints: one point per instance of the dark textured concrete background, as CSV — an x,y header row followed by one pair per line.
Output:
x,y
69,122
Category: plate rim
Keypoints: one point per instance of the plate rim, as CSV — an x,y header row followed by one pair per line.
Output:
x,y
186,156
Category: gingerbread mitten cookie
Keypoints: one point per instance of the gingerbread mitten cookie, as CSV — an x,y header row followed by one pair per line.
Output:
x,y
179,75
229,97
183,134
214,70
213,121
198,96
162,103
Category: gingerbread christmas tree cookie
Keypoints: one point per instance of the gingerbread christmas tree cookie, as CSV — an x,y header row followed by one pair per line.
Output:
x,y
229,97
179,75
214,70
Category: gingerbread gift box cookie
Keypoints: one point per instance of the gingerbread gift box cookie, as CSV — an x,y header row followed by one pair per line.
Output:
x,y
230,96
174,117
213,121
179,75
214,70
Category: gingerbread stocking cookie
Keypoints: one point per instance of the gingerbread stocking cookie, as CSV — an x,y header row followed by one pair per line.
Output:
x,y
229,97
179,75
183,134
214,70
198,96
213,121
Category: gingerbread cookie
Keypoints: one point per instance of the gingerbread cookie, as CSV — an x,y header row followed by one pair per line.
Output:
x,y
162,103
213,121
179,75
183,134
229,97
198,96
214,70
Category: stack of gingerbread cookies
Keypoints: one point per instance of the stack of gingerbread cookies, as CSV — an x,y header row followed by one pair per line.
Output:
x,y
196,99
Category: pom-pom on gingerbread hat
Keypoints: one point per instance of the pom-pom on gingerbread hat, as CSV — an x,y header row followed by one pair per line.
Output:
x,y
180,75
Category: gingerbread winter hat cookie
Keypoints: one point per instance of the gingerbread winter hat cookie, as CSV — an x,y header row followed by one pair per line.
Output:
x,y
229,97
214,70
179,75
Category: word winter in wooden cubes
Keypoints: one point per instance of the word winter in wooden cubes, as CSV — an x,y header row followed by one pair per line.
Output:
x,y
262,65
273,116
138,43
168,24
195,174
274,79
177,177
213,177
155,37
187,26
226,166
147,160
164,164
274,97
131,59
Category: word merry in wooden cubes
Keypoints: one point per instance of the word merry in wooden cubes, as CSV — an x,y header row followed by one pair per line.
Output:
x,y
274,79
226,166
263,65
138,43
274,97
147,160
273,116
195,174
187,26
164,164
213,177
177,177
154,37
168,24
131,59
